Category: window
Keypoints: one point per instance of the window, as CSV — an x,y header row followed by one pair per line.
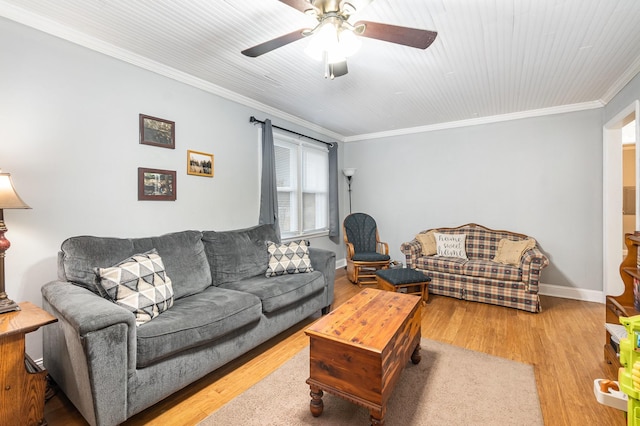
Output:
x,y
302,178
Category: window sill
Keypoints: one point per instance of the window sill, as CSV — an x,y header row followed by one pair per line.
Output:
x,y
289,238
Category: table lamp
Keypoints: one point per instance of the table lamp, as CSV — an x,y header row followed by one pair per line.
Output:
x,y
9,199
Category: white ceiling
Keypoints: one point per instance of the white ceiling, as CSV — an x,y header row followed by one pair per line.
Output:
x,y
491,57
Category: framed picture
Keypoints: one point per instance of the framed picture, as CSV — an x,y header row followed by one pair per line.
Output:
x,y
155,184
199,163
157,132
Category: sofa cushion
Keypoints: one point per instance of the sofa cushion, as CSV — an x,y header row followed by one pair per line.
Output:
x,y
449,265
488,269
480,242
79,256
239,254
428,243
193,321
184,259
470,268
281,291
510,252
450,245
288,258
138,284
182,253
483,244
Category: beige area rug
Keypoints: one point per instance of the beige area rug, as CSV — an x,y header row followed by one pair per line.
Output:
x,y
450,386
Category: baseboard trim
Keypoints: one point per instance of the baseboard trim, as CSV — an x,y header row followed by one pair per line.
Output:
x,y
39,362
572,293
547,290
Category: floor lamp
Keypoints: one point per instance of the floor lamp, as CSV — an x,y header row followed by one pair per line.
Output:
x,y
349,174
9,199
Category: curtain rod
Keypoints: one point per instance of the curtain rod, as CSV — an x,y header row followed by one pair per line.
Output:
x,y
252,119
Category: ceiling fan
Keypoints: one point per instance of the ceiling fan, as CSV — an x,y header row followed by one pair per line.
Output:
x,y
334,38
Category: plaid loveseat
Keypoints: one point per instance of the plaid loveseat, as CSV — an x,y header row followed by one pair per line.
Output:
x,y
479,278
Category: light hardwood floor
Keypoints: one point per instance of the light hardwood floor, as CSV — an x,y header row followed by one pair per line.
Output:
x,y
564,343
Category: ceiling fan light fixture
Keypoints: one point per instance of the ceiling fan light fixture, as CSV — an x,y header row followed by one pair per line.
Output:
x,y
321,40
333,44
334,38
348,42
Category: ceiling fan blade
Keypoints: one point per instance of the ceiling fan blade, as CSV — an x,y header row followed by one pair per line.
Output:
x,y
339,69
412,37
270,45
301,5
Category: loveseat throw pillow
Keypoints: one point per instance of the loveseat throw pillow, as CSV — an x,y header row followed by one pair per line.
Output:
x,y
428,243
139,284
450,245
288,258
510,252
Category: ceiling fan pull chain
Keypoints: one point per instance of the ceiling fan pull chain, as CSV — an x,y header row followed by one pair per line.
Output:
x,y
327,67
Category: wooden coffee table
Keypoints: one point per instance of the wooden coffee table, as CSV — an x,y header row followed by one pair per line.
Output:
x,y
358,351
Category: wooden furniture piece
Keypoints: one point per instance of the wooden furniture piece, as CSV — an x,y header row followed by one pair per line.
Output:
x,y
622,305
365,253
411,280
358,351
22,387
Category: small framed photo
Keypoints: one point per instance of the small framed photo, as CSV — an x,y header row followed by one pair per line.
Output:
x,y
157,132
157,185
199,163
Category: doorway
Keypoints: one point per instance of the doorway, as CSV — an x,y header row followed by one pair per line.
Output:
x,y
629,180
614,196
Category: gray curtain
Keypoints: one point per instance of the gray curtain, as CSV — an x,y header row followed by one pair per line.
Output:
x,y
268,186
334,211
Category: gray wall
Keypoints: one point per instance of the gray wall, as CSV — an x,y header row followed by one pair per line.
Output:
x,y
537,176
69,138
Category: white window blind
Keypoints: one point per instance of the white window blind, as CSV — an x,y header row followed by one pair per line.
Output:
x,y
302,178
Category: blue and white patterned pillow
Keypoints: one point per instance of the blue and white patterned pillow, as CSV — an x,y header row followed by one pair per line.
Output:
x,y
139,284
288,258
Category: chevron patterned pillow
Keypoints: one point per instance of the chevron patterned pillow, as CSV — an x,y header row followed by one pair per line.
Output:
x,y
139,284
288,258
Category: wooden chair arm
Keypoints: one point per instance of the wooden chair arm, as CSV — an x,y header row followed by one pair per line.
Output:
x,y
350,250
382,247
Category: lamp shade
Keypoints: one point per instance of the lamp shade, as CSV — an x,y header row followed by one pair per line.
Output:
x,y
9,198
349,172
333,40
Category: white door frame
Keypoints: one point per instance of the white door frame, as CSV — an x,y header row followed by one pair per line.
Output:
x,y
612,198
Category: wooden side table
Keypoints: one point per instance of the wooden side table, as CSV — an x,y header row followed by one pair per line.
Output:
x,y
22,392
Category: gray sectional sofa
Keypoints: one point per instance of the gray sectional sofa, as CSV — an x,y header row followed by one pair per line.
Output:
x,y
223,305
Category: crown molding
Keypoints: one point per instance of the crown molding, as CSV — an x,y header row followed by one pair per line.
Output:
x,y
480,120
622,81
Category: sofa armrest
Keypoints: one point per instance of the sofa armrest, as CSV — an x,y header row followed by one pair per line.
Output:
x,y
532,263
85,310
412,250
90,351
324,261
